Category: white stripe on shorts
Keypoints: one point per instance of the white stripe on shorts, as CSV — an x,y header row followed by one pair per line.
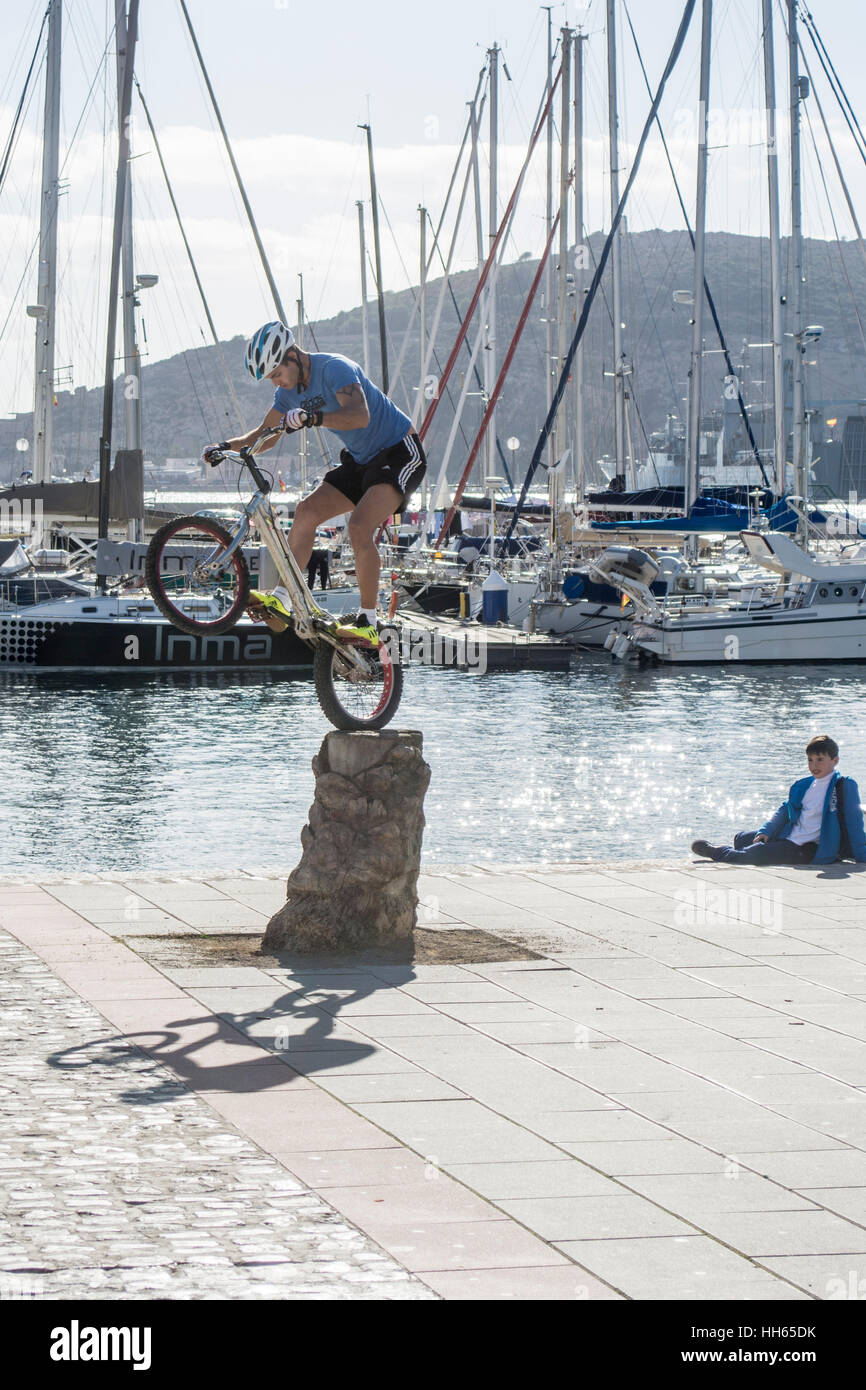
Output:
x,y
409,468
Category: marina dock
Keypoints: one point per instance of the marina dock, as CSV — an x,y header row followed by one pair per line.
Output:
x,y
441,641
594,1081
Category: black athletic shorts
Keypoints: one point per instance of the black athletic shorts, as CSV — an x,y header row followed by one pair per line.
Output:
x,y
403,466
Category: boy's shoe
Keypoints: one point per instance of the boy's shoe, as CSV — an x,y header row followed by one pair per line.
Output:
x,y
704,849
357,627
269,609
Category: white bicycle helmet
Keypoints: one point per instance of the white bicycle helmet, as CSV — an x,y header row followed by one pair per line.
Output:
x,y
267,348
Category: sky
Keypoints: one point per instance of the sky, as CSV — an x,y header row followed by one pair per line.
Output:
x,y
293,82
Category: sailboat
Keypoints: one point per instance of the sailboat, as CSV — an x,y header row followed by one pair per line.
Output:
x,y
815,611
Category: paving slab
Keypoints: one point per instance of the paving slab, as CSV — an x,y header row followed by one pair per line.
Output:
x,y
603,1217
558,1177
523,1285
647,1156
679,1269
826,1277
814,1168
760,1233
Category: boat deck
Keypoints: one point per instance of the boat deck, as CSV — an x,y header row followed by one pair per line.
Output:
x,y
434,640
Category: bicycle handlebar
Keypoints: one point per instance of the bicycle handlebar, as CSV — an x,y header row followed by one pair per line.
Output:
x,y
246,455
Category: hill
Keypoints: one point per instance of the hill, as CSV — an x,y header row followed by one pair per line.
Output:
x,y
186,402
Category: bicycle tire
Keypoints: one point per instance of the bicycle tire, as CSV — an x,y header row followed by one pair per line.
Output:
x,y
334,696
208,531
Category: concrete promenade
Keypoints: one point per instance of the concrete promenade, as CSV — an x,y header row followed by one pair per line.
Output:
x,y
612,1081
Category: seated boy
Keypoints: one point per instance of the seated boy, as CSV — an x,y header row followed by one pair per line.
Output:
x,y
807,828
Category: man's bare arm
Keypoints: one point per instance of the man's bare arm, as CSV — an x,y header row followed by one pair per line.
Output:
x,y
244,441
354,413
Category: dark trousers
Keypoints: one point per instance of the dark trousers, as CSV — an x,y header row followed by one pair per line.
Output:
x,y
318,565
745,851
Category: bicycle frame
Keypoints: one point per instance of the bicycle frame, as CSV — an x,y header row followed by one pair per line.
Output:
x,y
312,623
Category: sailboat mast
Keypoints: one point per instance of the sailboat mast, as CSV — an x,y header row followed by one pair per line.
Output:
x,y
377,251
45,307
694,403
775,248
365,335
548,223
616,249
114,278
422,314
492,225
579,235
555,488
131,358
299,338
798,452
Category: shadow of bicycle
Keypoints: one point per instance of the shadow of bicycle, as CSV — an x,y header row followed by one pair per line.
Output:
x,y
301,1030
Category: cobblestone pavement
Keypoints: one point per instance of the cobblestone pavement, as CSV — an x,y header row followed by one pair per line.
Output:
x,y
118,1182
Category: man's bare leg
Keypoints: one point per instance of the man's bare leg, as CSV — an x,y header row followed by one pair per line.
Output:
x,y
321,505
376,505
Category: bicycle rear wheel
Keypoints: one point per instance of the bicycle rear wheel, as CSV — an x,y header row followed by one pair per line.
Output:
x,y
349,699
191,586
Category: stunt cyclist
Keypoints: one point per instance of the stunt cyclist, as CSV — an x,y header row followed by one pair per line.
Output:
x,y
381,464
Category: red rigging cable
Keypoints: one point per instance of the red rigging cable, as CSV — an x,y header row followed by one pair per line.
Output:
x,y
603,259
500,381
491,258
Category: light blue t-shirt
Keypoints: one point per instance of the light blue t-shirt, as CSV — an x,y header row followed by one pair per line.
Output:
x,y
330,373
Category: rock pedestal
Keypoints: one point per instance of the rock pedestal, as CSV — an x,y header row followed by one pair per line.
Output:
x,y
356,887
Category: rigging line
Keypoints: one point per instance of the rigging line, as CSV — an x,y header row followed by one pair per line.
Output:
x,y
441,297
500,382
830,142
199,285
835,229
495,249
605,255
812,27
855,133
66,158
7,154
397,248
478,378
237,173
87,99
479,96
28,199
357,145
635,272
711,303
637,410
19,56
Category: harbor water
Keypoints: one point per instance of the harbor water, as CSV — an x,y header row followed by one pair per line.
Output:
x,y
193,772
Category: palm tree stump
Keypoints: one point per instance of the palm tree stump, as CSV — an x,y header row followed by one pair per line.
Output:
x,y
356,887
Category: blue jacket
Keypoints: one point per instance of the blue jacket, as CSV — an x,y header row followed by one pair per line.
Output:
x,y
779,826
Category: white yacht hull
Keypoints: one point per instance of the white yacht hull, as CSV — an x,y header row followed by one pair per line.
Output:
x,y
585,623
808,634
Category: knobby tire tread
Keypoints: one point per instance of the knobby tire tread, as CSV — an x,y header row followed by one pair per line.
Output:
x,y
333,710
154,578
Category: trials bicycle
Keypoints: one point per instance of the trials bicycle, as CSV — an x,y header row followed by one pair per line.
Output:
x,y
358,686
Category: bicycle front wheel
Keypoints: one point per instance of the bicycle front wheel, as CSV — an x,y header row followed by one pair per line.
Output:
x,y
192,585
349,698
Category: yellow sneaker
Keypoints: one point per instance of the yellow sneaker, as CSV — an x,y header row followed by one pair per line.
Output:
x,y
358,628
269,609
